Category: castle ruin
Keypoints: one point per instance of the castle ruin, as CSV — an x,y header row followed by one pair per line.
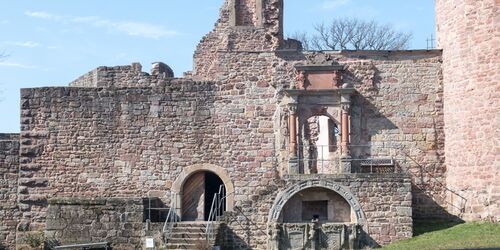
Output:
x,y
260,139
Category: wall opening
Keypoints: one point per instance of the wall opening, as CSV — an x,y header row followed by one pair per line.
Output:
x,y
328,205
245,12
198,193
318,147
154,210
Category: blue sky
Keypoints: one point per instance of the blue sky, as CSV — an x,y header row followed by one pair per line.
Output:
x,y
52,42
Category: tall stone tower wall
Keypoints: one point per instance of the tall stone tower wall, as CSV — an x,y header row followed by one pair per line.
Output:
x,y
469,33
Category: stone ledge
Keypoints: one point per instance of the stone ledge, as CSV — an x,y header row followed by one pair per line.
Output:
x,y
390,176
9,136
78,201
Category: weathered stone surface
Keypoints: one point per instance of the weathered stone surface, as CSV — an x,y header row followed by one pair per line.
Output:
x,y
118,142
129,134
9,212
468,34
88,220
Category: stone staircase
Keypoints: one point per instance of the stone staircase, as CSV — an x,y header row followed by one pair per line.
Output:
x,y
188,235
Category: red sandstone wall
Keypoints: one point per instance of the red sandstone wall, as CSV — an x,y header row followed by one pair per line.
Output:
x,y
9,169
469,34
119,76
221,44
397,111
125,142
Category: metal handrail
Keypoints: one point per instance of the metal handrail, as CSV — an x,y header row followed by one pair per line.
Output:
x,y
322,160
422,168
215,212
172,217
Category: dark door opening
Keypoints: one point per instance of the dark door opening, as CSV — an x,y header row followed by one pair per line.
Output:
x,y
197,196
213,185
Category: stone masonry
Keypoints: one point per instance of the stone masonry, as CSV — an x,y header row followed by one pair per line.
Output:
x,y
99,220
468,32
91,152
9,213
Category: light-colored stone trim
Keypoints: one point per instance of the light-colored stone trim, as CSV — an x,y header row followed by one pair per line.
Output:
x,y
343,191
219,171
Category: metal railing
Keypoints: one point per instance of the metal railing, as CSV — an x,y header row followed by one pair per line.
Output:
x,y
172,217
452,192
325,159
216,211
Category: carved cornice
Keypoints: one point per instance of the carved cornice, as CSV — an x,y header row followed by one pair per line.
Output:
x,y
320,67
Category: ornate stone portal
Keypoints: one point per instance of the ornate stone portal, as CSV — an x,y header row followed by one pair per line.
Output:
x,y
318,91
306,235
331,236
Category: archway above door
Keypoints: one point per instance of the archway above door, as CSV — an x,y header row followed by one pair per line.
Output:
x,y
222,173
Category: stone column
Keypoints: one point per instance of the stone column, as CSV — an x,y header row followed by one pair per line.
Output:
x,y
292,126
345,139
293,161
345,120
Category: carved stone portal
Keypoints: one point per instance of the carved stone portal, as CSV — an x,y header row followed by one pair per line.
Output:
x,y
328,236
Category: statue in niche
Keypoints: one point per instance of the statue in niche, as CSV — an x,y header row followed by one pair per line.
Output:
x,y
300,80
315,233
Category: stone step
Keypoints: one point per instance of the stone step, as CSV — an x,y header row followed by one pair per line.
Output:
x,y
188,230
177,234
188,241
187,235
190,224
181,246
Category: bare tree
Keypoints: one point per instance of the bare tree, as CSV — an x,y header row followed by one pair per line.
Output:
x,y
353,34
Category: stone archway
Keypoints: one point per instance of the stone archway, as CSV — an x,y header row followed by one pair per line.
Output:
x,y
187,172
343,191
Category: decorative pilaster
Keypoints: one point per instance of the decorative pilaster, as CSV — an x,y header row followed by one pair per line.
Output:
x,y
293,163
293,130
345,120
345,140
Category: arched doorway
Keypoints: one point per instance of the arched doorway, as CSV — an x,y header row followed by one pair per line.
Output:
x,y
198,192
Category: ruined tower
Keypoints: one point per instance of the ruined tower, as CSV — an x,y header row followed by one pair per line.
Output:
x,y
245,28
469,33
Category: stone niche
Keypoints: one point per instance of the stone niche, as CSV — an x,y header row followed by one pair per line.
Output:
x,y
328,205
336,228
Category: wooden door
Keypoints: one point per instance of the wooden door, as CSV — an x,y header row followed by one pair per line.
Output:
x,y
193,198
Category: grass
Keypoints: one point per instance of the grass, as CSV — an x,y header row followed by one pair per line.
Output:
x,y
451,235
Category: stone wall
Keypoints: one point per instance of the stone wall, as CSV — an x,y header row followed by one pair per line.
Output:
x,y
94,142
468,32
385,200
124,76
9,169
138,135
398,109
81,221
228,40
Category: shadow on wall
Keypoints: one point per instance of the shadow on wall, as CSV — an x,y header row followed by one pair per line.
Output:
x,y
231,240
428,208
365,241
421,226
